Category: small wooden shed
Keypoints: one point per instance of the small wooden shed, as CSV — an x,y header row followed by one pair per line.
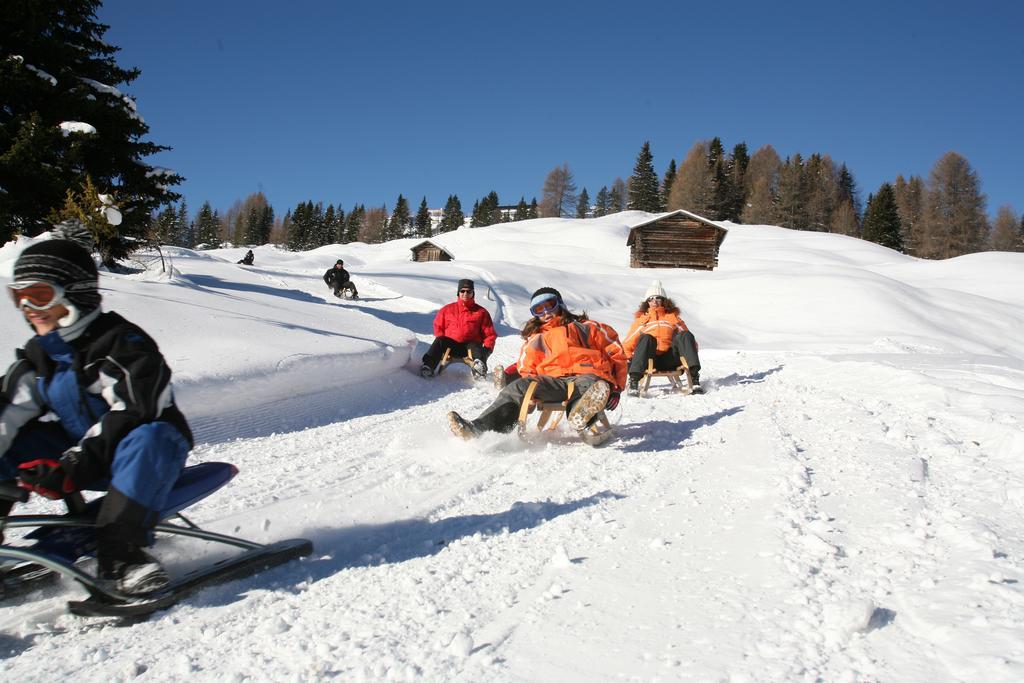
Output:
x,y
428,251
679,239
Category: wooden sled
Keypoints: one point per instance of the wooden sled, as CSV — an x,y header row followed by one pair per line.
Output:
x,y
675,377
446,359
596,434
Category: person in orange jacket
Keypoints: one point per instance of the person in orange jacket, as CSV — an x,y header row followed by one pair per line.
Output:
x,y
560,347
659,333
463,326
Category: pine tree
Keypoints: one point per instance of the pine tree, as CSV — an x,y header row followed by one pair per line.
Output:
x,y
558,196
522,210
452,217
1006,230
400,223
618,196
790,204
761,183
848,190
822,192
162,226
207,228
603,202
720,187
736,170
910,201
490,209
644,193
666,183
56,68
583,205
185,236
954,221
534,209
424,226
882,219
354,224
694,186
375,225
298,228
330,225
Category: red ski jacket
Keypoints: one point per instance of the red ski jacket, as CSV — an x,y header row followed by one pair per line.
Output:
x,y
465,323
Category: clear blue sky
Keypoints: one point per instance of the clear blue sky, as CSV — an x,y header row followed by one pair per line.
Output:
x,y
346,102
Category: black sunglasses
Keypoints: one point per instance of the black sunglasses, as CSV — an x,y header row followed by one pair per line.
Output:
x,y
464,291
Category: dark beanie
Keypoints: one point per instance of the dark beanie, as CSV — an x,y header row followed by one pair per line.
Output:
x,y
466,283
547,290
64,263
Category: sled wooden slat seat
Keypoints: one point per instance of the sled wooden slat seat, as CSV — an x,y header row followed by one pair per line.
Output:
x,y
675,377
446,359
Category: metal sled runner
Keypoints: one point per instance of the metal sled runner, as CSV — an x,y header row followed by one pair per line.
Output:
x,y
57,542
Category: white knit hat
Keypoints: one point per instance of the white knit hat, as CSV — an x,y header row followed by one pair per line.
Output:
x,y
655,290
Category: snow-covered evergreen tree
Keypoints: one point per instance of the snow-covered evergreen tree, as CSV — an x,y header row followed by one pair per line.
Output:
x,y
69,120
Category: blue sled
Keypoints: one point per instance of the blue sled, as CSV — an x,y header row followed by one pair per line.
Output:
x,y
57,542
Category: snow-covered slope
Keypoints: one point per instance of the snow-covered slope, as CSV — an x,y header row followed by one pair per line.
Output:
x,y
844,503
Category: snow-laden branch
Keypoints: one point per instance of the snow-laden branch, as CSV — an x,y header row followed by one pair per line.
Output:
x,y
34,69
129,103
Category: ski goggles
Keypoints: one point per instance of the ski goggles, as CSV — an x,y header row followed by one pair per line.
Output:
x,y
36,294
545,307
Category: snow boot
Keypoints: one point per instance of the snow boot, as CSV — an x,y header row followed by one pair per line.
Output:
x,y
633,386
461,427
132,570
695,387
479,369
500,378
426,371
589,405
122,529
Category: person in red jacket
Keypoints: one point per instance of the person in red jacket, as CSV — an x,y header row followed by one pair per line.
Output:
x,y
463,326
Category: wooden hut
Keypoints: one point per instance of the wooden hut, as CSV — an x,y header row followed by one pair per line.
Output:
x,y
428,251
679,239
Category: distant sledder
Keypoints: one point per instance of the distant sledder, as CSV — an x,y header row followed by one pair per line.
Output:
x,y
248,259
569,364
660,345
338,279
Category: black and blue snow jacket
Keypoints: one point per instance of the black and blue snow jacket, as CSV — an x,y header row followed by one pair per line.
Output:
x,y
100,381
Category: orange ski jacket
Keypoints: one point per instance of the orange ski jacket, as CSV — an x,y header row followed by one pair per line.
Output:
x,y
579,348
657,323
